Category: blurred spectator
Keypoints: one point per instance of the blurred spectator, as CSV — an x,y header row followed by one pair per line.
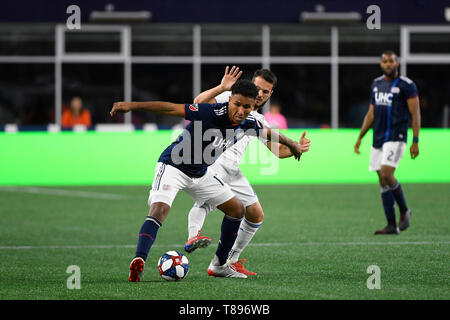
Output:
x,y
274,117
76,114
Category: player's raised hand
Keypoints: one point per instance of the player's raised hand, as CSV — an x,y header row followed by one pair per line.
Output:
x,y
414,150
304,142
121,107
230,77
357,144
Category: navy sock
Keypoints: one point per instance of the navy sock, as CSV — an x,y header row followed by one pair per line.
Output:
x,y
147,236
229,230
399,197
388,204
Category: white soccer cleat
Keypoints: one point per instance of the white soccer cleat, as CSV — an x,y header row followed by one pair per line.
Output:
x,y
224,270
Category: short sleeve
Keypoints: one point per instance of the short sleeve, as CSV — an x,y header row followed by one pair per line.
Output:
x,y
252,127
198,111
410,90
372,95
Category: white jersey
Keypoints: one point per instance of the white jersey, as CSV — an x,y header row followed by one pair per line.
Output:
x,y
232,156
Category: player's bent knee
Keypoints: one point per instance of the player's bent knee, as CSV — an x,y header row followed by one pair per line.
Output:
x,y
233,208
254,213
159,210
386,178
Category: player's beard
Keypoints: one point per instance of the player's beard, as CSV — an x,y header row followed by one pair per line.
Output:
x,y
259,107
390,74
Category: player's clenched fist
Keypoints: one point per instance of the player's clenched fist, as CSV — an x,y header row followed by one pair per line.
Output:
x,y
120,107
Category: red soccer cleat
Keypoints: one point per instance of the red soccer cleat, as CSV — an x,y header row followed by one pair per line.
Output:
x,y
136,269
239,266
198,241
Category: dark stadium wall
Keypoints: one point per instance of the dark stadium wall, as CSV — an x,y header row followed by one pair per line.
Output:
x,y
207,11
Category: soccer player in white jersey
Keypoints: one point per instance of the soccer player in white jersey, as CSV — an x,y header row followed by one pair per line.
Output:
x,y
183,166
227,168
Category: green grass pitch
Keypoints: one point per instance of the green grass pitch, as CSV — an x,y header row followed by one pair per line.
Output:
x,y
316,242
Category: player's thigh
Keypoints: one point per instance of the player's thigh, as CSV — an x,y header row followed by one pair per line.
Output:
x,y
243,190
209,189
376,154
233,208
392,153
166,184
216,169
207,207
220,170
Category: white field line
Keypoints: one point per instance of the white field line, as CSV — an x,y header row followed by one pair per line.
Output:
x,y
66,193
280,244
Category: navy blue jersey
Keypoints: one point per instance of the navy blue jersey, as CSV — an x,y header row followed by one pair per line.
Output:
x,y
391,113
206,137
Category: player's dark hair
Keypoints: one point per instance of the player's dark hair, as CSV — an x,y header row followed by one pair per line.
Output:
x,y
245,88
267,75
390,53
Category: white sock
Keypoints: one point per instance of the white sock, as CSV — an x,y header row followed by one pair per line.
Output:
x,y
196,219
246,232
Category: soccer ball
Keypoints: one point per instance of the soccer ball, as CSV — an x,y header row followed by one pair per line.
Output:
x,y
173,266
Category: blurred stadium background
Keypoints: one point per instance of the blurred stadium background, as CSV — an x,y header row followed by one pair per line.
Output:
x,y
325,59
322,52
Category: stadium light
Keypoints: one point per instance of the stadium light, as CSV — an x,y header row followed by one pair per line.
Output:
x,y
111,16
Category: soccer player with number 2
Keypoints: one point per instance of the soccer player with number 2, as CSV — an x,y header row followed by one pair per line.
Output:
x,y
394,99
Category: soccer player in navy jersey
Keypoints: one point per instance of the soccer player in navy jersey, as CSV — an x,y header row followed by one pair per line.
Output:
x,y
183,166
227,168
394,99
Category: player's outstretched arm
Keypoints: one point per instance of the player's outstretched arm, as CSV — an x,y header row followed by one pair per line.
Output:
x,y
296,148
282,151
367,124
229,78
160,107
414,109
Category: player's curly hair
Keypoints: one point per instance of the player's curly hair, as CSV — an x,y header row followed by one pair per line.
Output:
x,y
246,88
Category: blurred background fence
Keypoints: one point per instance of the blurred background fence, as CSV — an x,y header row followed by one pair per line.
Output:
x,y
325,69
323,53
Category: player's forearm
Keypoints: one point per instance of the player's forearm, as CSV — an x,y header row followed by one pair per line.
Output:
x,y
415,123
367,124
208,95
284,152
274,136
414,109
159,107
281,151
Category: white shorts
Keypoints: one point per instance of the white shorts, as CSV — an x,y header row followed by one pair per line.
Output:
x,y
389,154
169,180
233,177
